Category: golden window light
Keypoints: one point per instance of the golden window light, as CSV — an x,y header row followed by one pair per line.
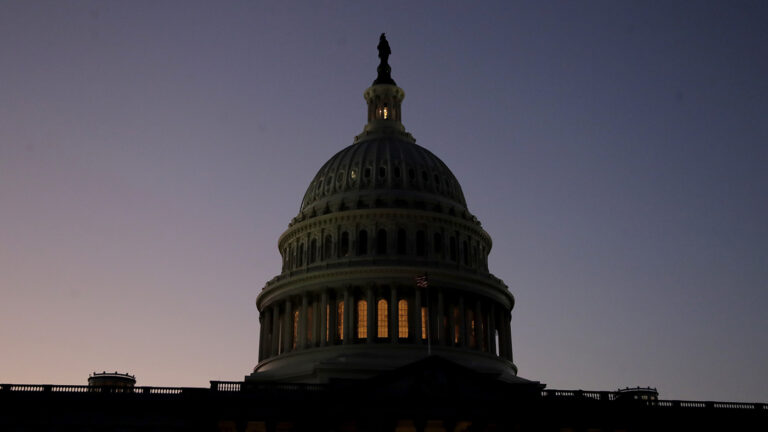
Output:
x,y
382,312
362,319
402,319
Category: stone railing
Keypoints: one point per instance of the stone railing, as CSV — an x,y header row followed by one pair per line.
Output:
x,y
238,386
612,396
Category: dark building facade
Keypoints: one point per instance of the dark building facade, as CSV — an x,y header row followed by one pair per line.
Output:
x,y
385,317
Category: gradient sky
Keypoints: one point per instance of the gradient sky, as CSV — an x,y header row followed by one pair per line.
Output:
x,y
151,153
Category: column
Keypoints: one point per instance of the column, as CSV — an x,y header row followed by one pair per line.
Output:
x,y
266,340
371,299
480,328
463,324
316,317
348,324
303,322
332,315
440,312
508,326
287,326
323,317
275,308
416,314
393,315
492,348
261,337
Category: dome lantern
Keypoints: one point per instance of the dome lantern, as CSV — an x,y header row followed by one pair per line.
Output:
x,y
384,100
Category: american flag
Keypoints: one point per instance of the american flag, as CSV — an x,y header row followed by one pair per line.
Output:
x,y
421,281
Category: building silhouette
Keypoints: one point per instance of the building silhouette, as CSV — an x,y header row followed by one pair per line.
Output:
x,y
385,317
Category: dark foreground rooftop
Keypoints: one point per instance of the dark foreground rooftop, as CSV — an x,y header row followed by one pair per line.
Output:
x,y
433,395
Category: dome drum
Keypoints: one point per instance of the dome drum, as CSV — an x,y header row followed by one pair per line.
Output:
x,y
391,315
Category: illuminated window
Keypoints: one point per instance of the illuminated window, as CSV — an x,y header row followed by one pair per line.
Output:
x,y
340,321
362,319
424,322
402,319
295,328
382,315
385,112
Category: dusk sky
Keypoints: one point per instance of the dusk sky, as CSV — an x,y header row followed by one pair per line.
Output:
x,y
152,152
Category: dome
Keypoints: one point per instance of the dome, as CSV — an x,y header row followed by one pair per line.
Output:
x,y
383,266
383,172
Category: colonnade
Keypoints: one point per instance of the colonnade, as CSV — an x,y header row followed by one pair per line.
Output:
x,y
389,314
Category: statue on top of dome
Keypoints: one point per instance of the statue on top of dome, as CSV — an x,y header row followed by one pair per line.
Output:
x,y
383,48
384,70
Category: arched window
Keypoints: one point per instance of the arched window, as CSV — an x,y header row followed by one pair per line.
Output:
x,y
421,243
344,246
295,332
328,247
437,242
362,242
465,252
327,323
382,320
401,241
402,318
340,321
300,257
424,322
312,251
381,242
362,319
290,257
453,248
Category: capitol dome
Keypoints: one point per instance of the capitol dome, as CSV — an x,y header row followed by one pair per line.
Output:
x,y
383,266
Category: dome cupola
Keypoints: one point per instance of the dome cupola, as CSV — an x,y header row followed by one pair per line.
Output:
x,y
384,264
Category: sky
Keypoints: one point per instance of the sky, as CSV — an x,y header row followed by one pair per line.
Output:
x,y
152,152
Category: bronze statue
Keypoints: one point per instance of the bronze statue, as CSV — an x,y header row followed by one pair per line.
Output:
x,y
383,48
384,70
